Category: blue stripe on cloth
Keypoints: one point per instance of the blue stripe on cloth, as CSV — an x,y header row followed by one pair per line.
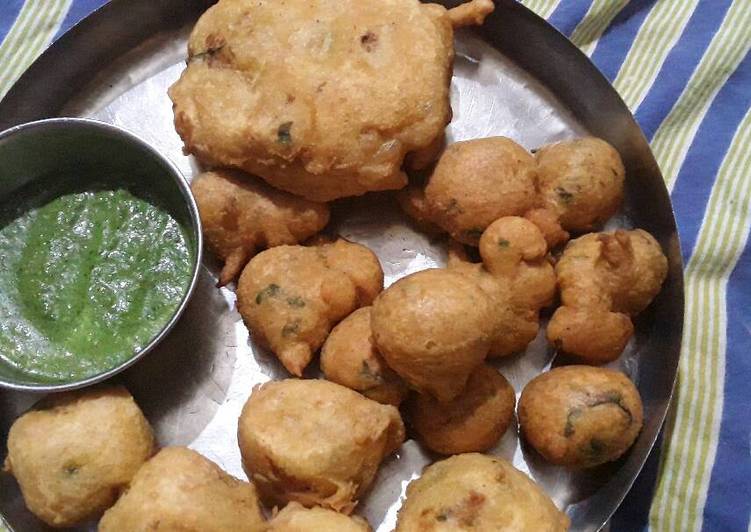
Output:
x,y
728,505
568,14
697,175
8,12
681,63
78,10
617,39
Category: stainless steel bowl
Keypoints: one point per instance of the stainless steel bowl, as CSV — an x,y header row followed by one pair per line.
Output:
x,y
88,149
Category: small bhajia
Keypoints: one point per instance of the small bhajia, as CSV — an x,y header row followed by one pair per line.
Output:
x,y
74,453
580,416
181,490
473,421
242,215
478,181
315,442
604,280
362,84
581,180
349,358
433,328
296,518
477,492
291,296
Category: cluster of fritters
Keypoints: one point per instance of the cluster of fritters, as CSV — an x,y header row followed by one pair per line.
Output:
x,y
323,100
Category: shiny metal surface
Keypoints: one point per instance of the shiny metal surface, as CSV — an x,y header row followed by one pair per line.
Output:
x,y
516,76
92,150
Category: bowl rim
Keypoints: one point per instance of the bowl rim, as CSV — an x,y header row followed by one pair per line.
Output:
x,y
195,226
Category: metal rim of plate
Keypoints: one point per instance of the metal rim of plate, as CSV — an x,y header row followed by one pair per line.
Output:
x,y
534,46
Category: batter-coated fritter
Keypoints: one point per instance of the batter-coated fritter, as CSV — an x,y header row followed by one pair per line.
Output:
x,y
241,215
475,492
291,296
180,490
75,452
516,324
580,416
349,358
474,421
604,279
296,518
581,180
322,99
315,442
433,328
478,181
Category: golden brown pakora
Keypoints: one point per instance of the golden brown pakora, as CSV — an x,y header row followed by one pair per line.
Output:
x,y
75,452
291,296
320,99
580,416
478,181
315,442
581,180
181,490
604,280
296,518
477,492
242,215
349,358
433,328
473,421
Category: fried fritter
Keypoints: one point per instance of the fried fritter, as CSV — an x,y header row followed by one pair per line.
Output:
x,y
181,490
433,328
514,249
478,181
473,421
581,180
604,279
291,296
296,518
75,452
580,416
475,492
320,99
516,323
349,358
315,442
241,215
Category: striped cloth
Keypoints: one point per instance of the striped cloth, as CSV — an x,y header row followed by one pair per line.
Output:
x,y
683,68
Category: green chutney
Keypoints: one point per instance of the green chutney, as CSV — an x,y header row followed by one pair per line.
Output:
x,y
86,280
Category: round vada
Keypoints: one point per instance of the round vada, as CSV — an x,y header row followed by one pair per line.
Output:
x,y
349,358
473,421
75,452
580,416
477,492
315,442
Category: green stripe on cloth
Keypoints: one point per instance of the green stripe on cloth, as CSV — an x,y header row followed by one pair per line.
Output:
x,y
600,15
691,442
33,30
727,49
656,37
543,8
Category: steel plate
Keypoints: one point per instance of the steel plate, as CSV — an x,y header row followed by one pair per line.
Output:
x,y
515,76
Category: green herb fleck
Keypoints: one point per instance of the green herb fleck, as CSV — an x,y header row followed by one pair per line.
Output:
x,y
612,398
270,291
291,329
573,414
503,243
564,194
283,134
296,301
